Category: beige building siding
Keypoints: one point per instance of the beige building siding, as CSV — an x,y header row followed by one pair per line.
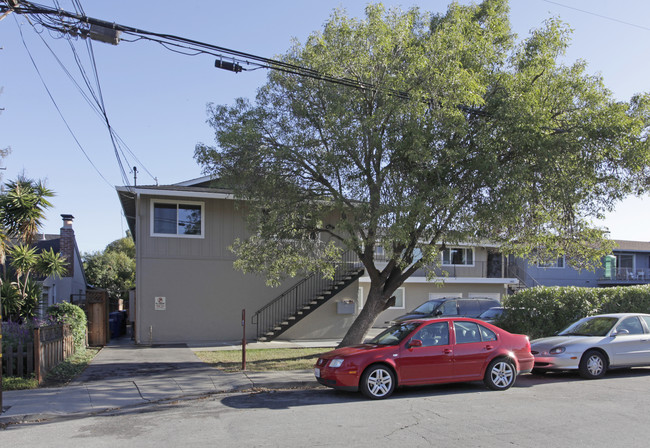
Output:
x,y
325,322
203,300
223,223
204,295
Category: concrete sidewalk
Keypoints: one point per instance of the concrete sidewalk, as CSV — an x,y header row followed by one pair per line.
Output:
x,y
125,375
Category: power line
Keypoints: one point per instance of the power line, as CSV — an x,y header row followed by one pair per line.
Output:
x,y
80,26
91,103
56,106
598,15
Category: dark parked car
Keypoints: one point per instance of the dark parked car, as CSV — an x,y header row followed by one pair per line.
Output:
x,y
492,314
451,306
427,351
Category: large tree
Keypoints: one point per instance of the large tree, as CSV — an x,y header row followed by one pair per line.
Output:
x,y
458,132
113,269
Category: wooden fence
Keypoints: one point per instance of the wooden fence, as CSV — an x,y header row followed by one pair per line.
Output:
x,y
52,345
18,361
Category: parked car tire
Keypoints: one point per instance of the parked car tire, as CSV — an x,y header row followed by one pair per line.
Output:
x,y
500,374
593,365
377,382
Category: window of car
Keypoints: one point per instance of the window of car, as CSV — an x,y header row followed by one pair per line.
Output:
x,y
590,326
433,334
646,319
631,324
177,219
466,332
427,307
449,308
487,334
395,334
469,307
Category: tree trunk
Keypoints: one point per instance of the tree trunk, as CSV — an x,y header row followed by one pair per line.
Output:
x,y
374,306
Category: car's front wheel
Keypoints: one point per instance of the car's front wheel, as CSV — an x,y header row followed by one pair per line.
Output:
x,y
500,374
377,382
593,365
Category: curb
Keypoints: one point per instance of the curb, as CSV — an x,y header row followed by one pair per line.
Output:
x,y
265,386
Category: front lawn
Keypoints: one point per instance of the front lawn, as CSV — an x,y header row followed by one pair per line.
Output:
x,y
263,359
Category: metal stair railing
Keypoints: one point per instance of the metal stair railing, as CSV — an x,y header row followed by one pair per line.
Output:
x,y
302,297
520,273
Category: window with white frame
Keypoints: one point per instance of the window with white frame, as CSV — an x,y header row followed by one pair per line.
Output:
x,y
454,256
184,219
400,301
559,263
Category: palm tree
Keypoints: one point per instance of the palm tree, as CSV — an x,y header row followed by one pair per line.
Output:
x,y
23,208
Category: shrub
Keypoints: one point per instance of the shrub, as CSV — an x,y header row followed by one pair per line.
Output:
x,y
14,334
543,311
74,316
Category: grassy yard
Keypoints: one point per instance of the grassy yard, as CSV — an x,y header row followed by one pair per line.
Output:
x,y
59,376
264,359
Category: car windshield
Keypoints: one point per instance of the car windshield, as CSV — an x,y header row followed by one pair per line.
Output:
x,y
395,334
492,312
590,326
427,307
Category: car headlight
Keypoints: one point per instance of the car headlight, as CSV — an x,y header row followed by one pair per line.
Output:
x,y
557,350
336,363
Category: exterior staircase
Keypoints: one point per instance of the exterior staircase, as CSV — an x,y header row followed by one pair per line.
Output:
x,y
303,298
525,279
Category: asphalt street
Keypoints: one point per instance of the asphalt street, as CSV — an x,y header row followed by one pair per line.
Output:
x,y
558,410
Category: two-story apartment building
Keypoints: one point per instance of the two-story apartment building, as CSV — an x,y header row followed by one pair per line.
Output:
x,y
188,291
629,264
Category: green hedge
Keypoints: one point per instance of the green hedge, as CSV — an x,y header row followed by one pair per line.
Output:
x,y
71,314
543,311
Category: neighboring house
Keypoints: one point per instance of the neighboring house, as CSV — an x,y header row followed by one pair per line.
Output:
x,y
70,287
188,291
628,265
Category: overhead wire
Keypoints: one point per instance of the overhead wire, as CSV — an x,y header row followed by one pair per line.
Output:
x,y
598,15
56,106
90,102
96,103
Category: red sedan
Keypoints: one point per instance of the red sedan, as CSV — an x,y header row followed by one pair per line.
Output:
x,y
428,351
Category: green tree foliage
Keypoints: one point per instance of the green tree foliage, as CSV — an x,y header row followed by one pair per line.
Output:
x,y
113,269
23,208
22,211
458,132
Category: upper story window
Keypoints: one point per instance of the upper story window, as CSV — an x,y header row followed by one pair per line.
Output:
x,y
458,256
183,219
559,263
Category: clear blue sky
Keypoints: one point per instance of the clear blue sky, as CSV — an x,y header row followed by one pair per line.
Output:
x,y
156,99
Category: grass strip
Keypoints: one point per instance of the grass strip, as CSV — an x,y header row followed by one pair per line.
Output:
x,y
263,359
58,376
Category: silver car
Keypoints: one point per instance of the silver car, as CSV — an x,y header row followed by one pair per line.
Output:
x,y
594,344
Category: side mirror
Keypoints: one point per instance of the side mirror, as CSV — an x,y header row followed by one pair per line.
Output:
x,y
438,313
415,343
620,332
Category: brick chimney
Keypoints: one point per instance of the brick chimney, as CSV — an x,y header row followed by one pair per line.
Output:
x,y
67,244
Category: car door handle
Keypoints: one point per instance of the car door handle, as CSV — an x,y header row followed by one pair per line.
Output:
x,y
488,347
447,351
